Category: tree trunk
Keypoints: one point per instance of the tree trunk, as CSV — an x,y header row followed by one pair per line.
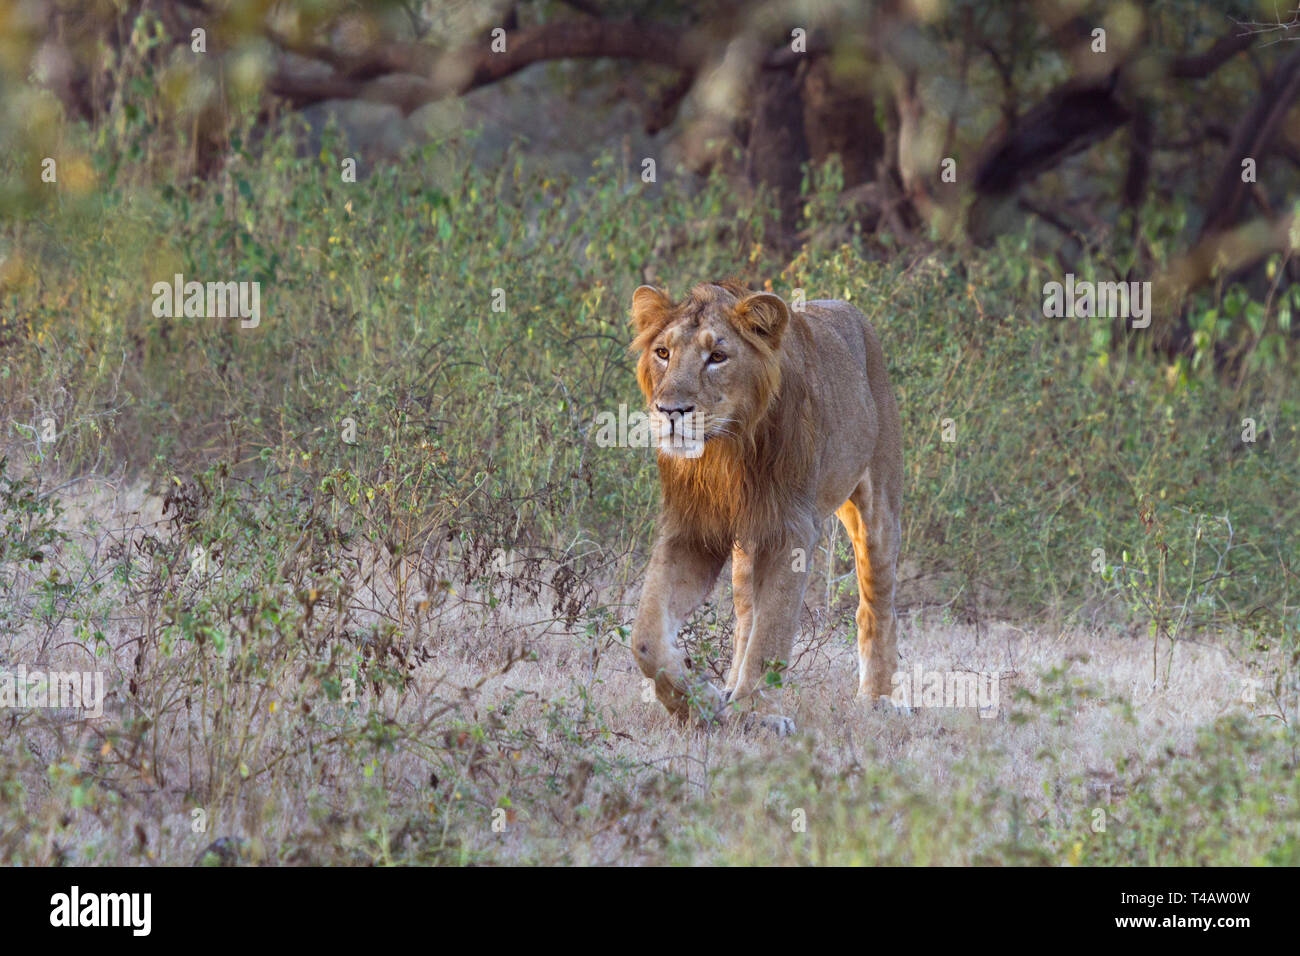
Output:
x,y
777,147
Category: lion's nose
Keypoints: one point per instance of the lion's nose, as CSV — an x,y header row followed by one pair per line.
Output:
x,y
678,410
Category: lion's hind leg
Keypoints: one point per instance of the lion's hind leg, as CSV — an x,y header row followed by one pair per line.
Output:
x,y
875,553
851,518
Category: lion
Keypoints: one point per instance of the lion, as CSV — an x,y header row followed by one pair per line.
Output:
x,y
766,421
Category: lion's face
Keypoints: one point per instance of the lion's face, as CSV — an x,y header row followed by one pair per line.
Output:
x,y
709,366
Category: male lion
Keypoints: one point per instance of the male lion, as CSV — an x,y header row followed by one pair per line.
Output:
x,y
766,422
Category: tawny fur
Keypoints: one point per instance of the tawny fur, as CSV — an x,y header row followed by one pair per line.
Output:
x,y
799,421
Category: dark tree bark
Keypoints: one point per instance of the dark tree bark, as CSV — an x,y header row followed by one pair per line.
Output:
x,y
777,146
1197,66
1253,137
429,74
839,119
1068,120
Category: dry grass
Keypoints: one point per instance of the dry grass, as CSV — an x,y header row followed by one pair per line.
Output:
x,y
506,715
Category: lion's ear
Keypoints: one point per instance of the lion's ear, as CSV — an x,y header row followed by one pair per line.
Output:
x,y
764,315
650,309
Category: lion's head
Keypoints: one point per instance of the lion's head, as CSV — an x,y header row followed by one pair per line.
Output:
x,y
730,428
709,365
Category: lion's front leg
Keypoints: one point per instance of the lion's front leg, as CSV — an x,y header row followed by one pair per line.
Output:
x,y
680,576
780,578
742,589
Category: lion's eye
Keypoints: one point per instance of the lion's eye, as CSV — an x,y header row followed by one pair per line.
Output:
x,y
717,358
662,353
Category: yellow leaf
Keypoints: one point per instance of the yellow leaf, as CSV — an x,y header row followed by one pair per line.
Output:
x,y
1076,853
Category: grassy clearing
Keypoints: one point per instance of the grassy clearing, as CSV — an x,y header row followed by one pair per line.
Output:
x,y
373,650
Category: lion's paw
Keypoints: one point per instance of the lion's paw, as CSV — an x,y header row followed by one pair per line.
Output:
x,y
888,705
708,702
773,723
781,726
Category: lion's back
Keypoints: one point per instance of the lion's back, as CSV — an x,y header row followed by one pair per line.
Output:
x,y
845,362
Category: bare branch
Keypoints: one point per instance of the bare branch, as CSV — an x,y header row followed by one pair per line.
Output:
x,y
1196,66
410,75
1252,138
1283,28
